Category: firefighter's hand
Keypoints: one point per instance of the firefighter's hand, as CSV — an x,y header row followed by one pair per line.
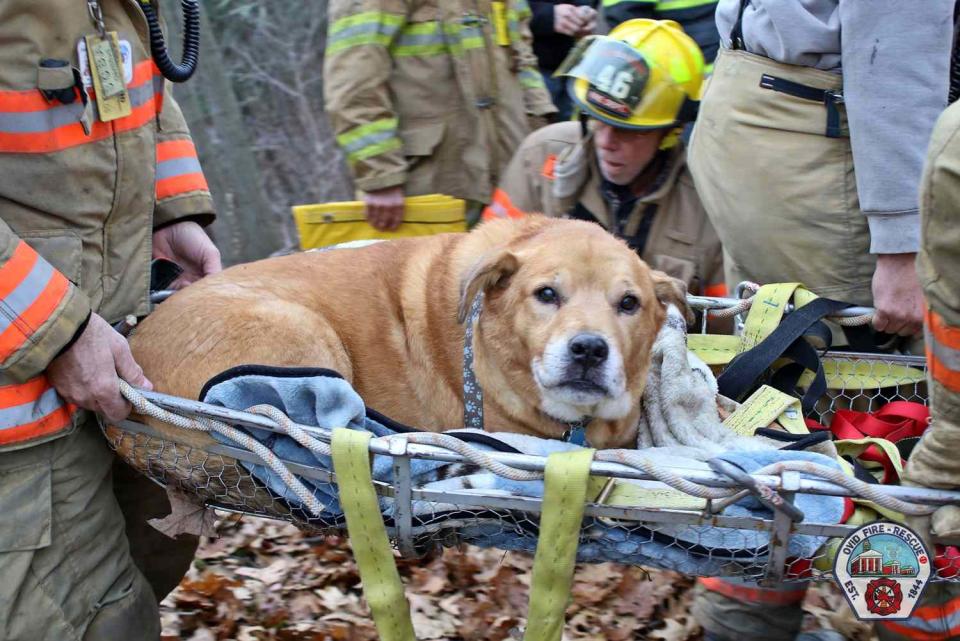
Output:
x,y
897,295
588,20
187,245
567,19
88,374
385,208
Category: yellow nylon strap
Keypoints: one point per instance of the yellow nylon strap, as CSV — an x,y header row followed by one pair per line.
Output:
x,y
762,408
766,313
764,316
368,536
855,375
861,516
864,511
565,489
643,494
714,349
854,448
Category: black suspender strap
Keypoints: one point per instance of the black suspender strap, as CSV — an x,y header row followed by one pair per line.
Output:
x,y
830,99
741,375
736,34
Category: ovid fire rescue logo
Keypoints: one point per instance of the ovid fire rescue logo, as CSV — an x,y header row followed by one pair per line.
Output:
x,y
882,569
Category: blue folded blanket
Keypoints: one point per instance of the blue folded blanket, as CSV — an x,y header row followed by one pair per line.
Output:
x,y
321,398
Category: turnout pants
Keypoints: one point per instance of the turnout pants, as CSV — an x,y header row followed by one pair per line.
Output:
x,y
933,462
738,612
66,571
780,192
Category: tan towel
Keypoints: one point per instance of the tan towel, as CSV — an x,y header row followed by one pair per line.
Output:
x,y
680,401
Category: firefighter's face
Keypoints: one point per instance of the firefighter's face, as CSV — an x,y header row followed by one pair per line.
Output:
x,y
624,153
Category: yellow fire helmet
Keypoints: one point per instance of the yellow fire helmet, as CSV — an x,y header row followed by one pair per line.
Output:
x,y
644,74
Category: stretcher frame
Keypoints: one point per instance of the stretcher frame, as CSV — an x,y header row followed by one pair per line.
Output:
x,y
409,536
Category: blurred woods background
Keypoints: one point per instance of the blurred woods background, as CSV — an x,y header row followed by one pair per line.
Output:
x,y
255,109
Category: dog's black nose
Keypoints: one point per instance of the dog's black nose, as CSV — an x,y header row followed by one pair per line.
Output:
x,y
588,350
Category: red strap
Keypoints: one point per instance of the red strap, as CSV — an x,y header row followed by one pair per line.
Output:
x,y
894,422
947,561
849,507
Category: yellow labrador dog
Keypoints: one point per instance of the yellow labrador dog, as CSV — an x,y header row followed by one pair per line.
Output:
x,y
569,314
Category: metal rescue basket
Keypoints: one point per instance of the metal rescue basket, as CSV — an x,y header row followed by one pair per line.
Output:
x,y
691,530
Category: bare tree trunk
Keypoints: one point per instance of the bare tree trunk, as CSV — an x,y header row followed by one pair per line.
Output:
x,y
246,228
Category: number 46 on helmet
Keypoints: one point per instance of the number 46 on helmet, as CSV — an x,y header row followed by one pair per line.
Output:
x,y
643,75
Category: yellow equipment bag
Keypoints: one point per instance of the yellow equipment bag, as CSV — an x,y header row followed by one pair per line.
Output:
x,y
326,224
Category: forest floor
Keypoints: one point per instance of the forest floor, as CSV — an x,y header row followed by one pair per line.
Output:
x,y
265,580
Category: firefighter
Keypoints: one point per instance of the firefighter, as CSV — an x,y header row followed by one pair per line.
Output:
x,y
933,462
623,165
807,154
428,96
97,173
808,148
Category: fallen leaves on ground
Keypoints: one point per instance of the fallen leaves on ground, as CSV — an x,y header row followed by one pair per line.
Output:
x,y
267,581
186,517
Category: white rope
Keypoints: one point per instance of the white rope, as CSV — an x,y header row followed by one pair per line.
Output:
x,y
472,454
636,460
856,486
143,406
630,458
740,307
852,321
745,304
293,429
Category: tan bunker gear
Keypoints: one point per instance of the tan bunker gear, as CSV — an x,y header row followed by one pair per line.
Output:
x,y
933,462
555,172
79,200
431,95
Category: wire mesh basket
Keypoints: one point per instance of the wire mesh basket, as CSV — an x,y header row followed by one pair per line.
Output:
x,y
691,536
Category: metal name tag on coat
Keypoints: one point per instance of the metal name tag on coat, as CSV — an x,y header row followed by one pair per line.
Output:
x,y
105,66
126,54
882,569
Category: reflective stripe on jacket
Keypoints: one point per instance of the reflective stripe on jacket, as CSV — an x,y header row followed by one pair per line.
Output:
x,y
943,351
31,124
37,303
939,621
79,198
31,412
429,94
680,241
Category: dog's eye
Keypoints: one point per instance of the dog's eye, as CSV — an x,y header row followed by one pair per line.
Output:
x,y
629,304
547,296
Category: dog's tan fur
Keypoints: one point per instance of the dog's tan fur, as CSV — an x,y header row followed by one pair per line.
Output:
x,y
386,318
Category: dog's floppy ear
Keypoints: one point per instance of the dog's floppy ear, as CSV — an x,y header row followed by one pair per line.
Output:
x,y
492,270
672,290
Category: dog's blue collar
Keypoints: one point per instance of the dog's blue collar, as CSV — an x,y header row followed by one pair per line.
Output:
x,y
473,393
577,434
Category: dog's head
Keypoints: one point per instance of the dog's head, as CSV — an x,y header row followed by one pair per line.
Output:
x,y
569,318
